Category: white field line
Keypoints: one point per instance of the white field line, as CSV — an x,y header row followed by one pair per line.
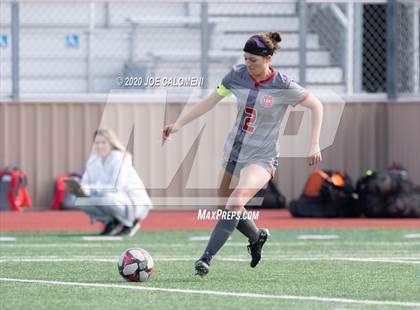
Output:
x,y
317,237
203,238
199,238
363,252
102,238
412,236
218,293
7,239
229,244
362,259
112,259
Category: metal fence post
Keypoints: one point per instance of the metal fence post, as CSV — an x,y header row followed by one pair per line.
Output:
x,y
89,50
15,50
350,49
132,41
358,47
416,43
302,42
204,43
391,47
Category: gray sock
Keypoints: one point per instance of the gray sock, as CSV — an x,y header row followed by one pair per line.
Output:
x,y
249,229
221,232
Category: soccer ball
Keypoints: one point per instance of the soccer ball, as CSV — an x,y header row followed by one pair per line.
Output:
x,y
135,265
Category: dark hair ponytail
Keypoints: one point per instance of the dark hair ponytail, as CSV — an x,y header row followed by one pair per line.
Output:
x,y
274,36
271,40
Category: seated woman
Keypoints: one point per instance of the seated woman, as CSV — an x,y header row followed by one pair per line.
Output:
x,y
119,197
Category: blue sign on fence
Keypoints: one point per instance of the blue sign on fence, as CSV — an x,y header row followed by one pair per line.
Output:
x,y
4,41
72,41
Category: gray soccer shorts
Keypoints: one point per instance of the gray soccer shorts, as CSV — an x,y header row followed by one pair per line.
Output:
x,y
235,168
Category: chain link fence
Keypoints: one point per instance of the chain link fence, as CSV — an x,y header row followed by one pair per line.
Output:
x,y
61,48
374,48
407,47
5,50
328,21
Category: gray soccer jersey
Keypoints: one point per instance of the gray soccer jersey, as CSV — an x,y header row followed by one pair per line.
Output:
x,y
261,108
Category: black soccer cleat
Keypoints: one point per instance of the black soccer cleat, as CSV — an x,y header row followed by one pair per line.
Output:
x,y
110,228
129,231
202,266
255,249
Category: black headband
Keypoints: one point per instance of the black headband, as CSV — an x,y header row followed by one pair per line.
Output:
x,y
256,47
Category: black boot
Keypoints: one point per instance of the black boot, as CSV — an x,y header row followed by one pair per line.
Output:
x,y
255,249
109,227
202,265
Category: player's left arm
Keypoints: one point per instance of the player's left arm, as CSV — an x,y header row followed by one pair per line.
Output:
x,y
317,109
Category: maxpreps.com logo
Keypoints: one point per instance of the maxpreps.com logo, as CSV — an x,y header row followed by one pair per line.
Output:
x,y
204,214
267,101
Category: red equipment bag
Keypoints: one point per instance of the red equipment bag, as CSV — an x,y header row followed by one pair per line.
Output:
x,y
61,190
13,192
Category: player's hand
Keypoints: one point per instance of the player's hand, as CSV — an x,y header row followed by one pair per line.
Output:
x,y
168,130
315,156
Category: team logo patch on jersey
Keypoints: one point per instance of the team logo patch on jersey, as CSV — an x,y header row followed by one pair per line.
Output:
x,y
267,101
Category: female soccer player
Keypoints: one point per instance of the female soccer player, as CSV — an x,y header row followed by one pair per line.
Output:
x,y
251,149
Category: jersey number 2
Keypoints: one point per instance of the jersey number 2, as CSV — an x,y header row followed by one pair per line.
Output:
x,y
249,120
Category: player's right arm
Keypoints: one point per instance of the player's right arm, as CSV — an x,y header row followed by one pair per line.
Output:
x,y
196,111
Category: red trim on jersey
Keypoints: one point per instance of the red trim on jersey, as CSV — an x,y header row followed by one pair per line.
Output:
x,y
272,172
303,99
257,84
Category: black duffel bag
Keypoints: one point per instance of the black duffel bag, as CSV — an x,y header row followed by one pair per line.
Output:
x,y
326,194
388,194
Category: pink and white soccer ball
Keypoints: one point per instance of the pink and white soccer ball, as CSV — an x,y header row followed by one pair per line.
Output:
x,y
135,265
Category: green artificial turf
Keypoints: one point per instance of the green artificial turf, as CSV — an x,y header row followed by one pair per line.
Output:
x,y
362,264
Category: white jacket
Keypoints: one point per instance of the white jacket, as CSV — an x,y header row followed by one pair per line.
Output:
x,y
115,176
